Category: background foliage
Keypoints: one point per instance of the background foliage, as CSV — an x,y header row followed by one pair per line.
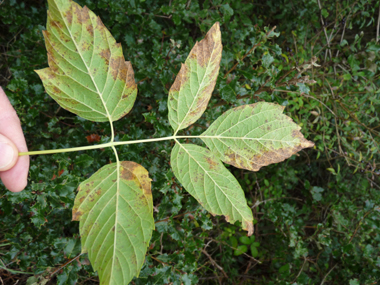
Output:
x,y
318,213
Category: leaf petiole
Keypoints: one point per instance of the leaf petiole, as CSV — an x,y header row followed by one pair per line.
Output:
x,y
104,145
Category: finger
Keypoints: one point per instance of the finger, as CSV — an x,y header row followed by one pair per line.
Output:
x,y
8,153
15,179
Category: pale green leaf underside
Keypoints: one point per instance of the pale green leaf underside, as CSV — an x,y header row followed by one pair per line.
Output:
x,y
193,86
252,136
87,72
208,181
116,220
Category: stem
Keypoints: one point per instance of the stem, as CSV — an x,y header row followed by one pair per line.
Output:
x,y
109,144
104,145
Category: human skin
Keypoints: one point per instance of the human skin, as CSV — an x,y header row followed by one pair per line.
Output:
x,y
13,169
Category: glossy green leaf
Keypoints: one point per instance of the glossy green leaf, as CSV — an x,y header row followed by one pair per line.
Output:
x,y
233,241
208,181
192,88
240,250
254,251
245,240
87,72
256,135
115,211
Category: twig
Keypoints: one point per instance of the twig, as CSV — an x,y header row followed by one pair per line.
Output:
x,y
378,27
324,278
160,16
359,224
142,80
299,273
373,182
64,265
341,38
213,262
160,261
260,202
177,216
255,46
311,97
324,30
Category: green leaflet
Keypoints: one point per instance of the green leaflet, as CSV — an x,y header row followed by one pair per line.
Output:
x,y
116,220
256,135
192,88
88,74
208,181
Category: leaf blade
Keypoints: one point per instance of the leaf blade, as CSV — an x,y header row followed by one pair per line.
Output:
x,y
256,135
195,167
116,220
193,86
87,72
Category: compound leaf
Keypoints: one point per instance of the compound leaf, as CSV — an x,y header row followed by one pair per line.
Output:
x,y
192,88
208,181
256,135
88,74
115,211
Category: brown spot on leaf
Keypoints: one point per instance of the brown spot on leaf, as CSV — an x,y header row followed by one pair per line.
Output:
x,y
130,78
99,23
56,90
69,16
76,214
210,48
79,13
115,64
212,163
126,173
105,54
130,170
181,78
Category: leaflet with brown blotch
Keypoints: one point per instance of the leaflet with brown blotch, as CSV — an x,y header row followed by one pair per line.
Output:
x,y
193,86
87,72
253,136
114,208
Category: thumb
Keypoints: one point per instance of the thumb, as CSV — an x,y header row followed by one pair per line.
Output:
x,y
8,153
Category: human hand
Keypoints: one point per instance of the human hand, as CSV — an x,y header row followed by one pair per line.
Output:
x,y
13,169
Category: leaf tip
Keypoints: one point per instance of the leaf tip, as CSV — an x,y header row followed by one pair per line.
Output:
x,y
306,144
248,226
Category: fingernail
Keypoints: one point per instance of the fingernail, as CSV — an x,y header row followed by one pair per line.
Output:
x,y
6,155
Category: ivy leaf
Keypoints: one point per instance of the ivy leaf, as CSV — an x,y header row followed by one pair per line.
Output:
x,y
88,74
115,211
267,60
256,135
192,88
211,184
